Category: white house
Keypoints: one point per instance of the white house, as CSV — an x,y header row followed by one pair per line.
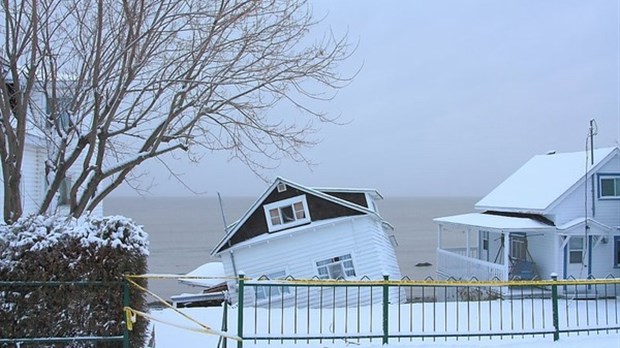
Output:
x,y
293,230
559,213
33,185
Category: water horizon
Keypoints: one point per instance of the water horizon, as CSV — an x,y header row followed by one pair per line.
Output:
x,y
183,230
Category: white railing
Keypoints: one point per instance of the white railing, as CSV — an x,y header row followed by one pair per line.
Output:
x,y
455,263
473,252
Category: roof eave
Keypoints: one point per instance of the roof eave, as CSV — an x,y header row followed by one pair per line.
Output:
x,y
270,188
537,211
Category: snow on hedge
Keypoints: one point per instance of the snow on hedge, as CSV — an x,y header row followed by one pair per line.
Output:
x,y
38,232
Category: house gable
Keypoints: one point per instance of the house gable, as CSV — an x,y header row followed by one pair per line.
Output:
x,y
319,206
358,198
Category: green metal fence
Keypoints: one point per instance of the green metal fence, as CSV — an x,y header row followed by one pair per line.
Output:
x,y
48,312
353,311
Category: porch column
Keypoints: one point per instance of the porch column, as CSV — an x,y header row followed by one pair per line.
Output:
x,y
467,246
439,236
506,254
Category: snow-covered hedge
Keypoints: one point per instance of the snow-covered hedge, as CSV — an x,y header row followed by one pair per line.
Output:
x,y
94,250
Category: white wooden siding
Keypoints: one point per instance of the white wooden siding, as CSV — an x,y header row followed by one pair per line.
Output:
x,y
32,180
541,246
297,253
603,259
573,205
608,210
33,171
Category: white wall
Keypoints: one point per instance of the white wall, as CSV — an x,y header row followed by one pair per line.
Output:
x,y
297,253
573,205
35,154
541,246
606,211
32,179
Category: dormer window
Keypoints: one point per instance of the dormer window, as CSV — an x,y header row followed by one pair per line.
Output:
x,y
287,213
609,186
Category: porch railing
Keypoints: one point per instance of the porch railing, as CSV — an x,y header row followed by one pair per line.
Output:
x,y
452,262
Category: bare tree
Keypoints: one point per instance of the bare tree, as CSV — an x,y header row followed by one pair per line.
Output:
x,y
131,80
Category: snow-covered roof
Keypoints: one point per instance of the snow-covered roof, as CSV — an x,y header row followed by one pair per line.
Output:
x,y
543,180
208,275
491,221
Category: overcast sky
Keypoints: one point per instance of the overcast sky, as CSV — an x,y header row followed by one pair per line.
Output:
x,y
452,97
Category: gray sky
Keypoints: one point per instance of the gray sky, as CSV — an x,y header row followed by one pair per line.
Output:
x,y
453,97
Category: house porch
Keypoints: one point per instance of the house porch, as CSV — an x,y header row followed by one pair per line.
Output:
x,y
493,247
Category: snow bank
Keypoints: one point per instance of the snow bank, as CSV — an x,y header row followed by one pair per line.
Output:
x,y
172,330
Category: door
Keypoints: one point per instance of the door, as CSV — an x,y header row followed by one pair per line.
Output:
x,y
575,264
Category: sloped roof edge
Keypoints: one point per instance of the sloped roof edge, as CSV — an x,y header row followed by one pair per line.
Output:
x,y
372,192
270,188
581,221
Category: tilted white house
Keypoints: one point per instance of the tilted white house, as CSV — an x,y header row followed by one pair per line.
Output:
x,y
559,213
293,230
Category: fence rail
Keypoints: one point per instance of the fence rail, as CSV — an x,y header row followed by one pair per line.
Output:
x,y
387,310
282,310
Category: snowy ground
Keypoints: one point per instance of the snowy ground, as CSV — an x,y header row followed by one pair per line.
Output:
x,y
173,337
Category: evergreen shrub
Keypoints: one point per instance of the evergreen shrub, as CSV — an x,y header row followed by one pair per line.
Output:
x,y
40,253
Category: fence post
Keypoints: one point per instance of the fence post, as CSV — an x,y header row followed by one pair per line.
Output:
x,y
125,304
240,310
554,301
386,299
224,340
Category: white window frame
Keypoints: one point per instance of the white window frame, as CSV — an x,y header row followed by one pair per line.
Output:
x,y
518,246
283,204
484,240
576,250
616,248
344,262
277,292
616,181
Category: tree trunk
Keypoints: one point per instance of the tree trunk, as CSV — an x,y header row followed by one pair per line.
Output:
x,y
12,196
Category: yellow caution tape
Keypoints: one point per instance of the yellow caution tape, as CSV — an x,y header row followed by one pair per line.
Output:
x,y
130,318
403,282
174,276
205,328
